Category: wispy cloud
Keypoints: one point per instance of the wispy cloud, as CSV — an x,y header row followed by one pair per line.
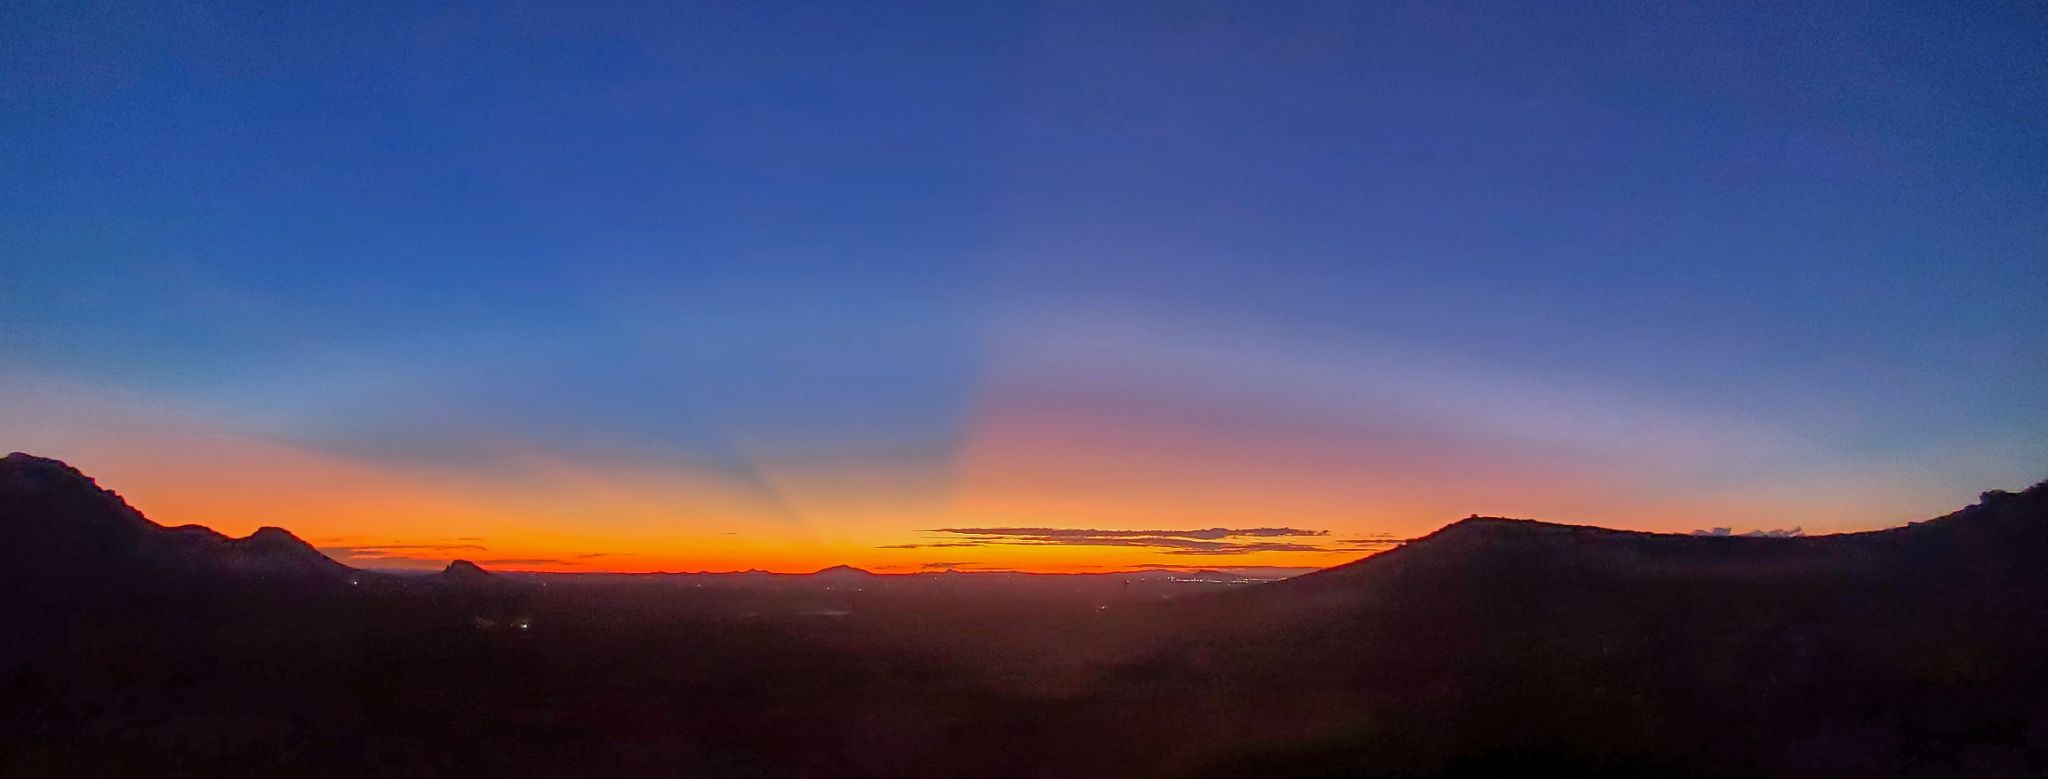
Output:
x,y
386,548
380,553
1197,541
433,554
932,545
1790,532
1214,533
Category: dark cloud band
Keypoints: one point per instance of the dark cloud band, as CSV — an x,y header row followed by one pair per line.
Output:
x,y
1198,541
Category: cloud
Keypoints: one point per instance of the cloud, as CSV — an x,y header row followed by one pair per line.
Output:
x,y
385,548
933,545
1374,543
1790,532
1214,533
1221,548
1197,541
434,554
1251,570
374,554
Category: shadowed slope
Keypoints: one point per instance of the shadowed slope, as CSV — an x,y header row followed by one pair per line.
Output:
x,y
127,639
61,529
1491,643
1996,542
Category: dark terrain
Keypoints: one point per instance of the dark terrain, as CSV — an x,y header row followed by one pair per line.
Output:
x,y
1492,646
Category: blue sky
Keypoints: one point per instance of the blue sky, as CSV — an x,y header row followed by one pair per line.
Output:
x,y
717,234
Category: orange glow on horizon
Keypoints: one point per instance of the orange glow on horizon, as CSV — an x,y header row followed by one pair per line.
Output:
x,y
1028,461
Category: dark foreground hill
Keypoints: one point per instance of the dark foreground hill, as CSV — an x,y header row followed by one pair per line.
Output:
x,y
63,531
1499,643
1493,646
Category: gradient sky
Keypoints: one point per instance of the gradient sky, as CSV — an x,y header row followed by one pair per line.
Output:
x,y
1050,286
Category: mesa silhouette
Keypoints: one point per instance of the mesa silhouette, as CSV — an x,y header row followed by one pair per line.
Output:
x,y
1491,646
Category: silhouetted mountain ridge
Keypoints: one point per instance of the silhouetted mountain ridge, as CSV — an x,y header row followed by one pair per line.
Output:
x,y
1493,646
1989,536
1503,641
59,524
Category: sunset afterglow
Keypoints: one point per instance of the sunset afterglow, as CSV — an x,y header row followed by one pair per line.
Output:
x,y
776,287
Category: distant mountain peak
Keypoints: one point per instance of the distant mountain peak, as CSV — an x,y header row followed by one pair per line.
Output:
x,y
464,569
845,571
269,536
277,550
275,541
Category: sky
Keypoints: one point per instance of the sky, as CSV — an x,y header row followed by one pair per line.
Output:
x,y
1044,286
